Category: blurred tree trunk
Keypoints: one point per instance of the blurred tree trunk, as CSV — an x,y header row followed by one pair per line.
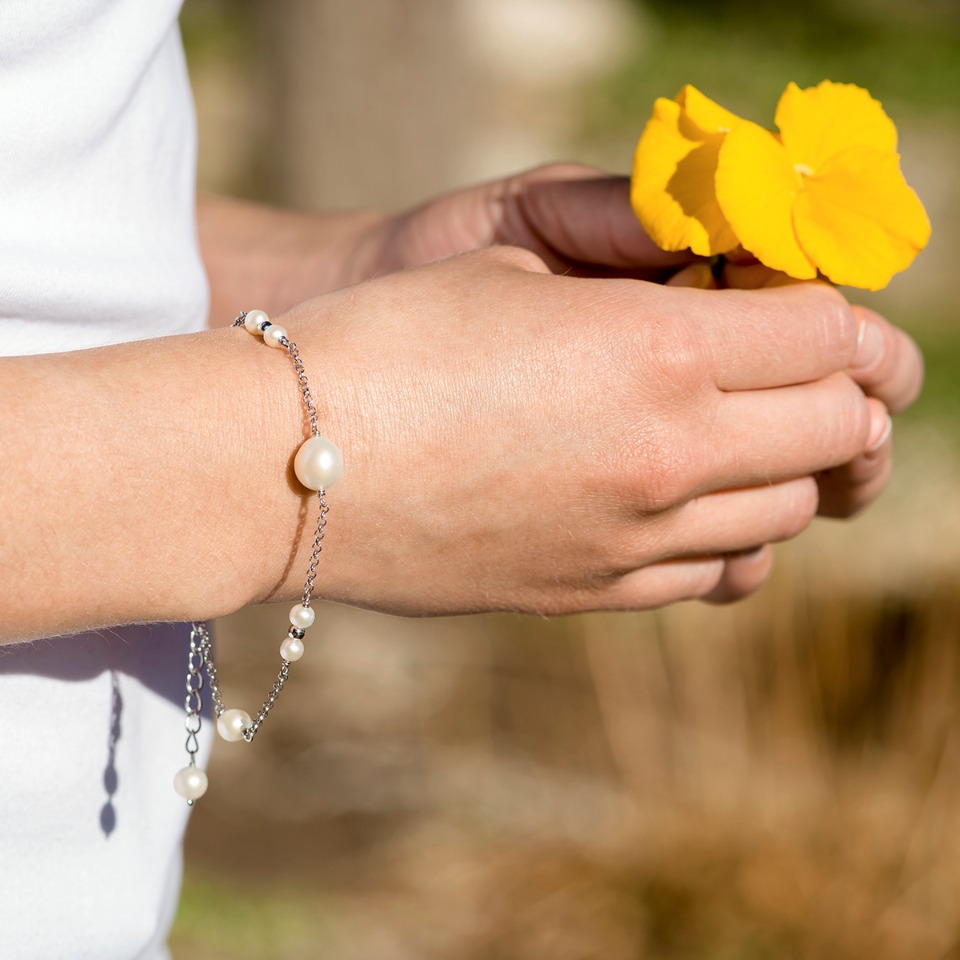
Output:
x,y
358,116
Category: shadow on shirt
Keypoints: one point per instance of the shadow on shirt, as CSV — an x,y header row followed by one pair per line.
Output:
x,y
155,654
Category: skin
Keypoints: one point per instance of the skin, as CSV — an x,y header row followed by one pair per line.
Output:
x,y
531,426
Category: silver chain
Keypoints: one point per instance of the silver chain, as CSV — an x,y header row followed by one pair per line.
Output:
x,y
317,549
201,665
302,381
193,701
304,385
205,647
267,704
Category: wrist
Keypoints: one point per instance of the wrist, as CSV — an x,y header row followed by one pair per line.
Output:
x,y
256,254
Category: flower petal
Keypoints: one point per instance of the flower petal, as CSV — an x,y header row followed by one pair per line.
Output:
x,y
756,188
819,122
672,189
858,220
706,114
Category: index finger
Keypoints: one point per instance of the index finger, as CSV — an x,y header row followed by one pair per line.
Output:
x,y
773,337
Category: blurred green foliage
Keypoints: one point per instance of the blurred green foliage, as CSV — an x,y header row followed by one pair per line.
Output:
x,y
244,922
217,28
744,53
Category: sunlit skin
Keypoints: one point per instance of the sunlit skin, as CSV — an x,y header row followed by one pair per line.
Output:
x,y
528,426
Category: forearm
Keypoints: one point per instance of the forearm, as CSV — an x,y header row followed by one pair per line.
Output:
x,y
146,481
256,254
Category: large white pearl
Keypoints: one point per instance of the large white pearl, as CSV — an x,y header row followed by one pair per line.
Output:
x,y
272,335
232,723
291,649
253,320
190,783
318,463
302,617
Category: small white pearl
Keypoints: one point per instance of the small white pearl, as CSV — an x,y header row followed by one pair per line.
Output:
x,y
253,319
318,463
232,723
302,617
291,649
190,783
272,335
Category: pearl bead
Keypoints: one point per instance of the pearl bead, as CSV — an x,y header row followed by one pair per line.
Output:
x,y
253,320
301,616
291,649
190,783
318,463
232,723
272,335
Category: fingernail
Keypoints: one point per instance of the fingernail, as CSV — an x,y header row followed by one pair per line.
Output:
x,y
881,427
869,345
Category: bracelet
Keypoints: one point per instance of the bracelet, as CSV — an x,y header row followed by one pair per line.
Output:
x,y
318,464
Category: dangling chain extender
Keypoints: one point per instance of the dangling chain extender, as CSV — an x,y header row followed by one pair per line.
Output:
x,y
318,464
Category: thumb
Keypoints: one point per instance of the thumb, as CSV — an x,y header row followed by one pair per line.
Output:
x,y
581,215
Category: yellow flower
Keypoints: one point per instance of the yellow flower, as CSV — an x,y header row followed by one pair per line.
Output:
x,y
825,196
672,189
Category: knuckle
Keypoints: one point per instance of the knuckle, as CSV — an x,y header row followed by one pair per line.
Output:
x,y
837,325
863,494
847,424
657,471
658,459
801,507
709,584
847,491
673,355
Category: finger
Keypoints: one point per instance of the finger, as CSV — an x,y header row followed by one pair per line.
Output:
x,y
771,337
742,575
697,275
581,215
660,584
716,579
753,276
848,489
888,364
727,522
767,436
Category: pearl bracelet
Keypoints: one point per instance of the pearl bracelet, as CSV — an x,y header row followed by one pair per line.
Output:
x,y
318,464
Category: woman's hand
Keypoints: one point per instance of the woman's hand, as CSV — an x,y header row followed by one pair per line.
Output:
x,y
577,219
887,365
517,440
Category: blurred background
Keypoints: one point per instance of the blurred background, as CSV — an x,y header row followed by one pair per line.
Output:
x,y
780,779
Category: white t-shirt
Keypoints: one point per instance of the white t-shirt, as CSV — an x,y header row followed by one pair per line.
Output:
x,y
97,246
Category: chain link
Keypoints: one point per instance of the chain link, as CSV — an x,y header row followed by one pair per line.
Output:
x,y
193,702
304,385
267,705
317,549
205,648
